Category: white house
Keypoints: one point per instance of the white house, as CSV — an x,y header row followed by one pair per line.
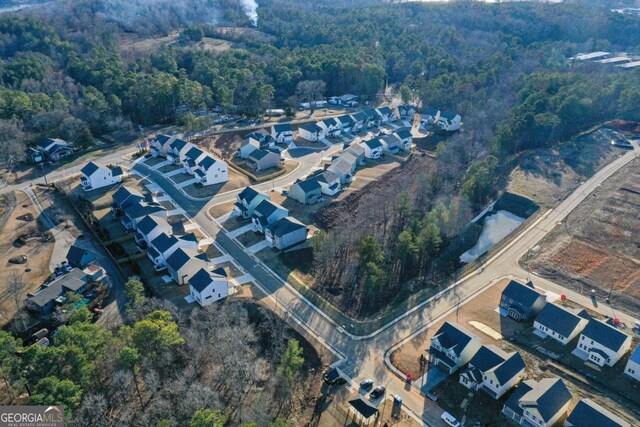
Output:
x,y
94,176
286,232
452,346
266,213
602,344
390,143
134,213
210,170
330,127
493,370
429,116
359,120
406,112
207,287
347,100
346,123
247,200
588,413
373,117
177,149
150,227
386,114
191,158
161,144
249,144
449,121
164,245
184,263
311,132
357,151
329,182
282,133
633,365
372,148
124,197
406,138
538,403
344,167
560,323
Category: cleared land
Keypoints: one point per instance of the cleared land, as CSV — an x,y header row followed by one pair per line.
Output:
x,y
598,245
138,44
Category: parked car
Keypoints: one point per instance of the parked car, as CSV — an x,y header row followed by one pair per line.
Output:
x,y
366,384
450,419
333,377
378,392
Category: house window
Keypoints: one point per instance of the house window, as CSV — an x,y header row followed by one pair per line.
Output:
x,y
208,297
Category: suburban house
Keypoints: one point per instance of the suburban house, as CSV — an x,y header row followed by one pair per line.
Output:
x,y
560,323
358,152
160,145
602,344
429,116
538,403
164,245
386,114
390,143
406,138
184,263
632,368
150,227
346,123
359,120
373,117
330,127
282,133
306,191
50,150
347,100
260,160
266,213
247,200
493,370
249,144
210,170
344,166
311,132
207,287
177,149
94,176
134,213
449,121
191,157
43,301
286,232
329,182
406,112
79,258
452,347
589,413
125,196
521,302
372,148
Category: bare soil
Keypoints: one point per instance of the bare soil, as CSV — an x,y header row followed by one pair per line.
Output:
x,y
597,246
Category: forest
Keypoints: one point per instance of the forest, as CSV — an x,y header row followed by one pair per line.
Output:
x,y
162,368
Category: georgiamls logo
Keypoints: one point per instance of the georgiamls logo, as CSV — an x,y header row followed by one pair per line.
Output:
x,y
31,416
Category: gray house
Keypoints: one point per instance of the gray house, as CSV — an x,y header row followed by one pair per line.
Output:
x,y
260,160
521,302
80,258
306,192
286,232
123,198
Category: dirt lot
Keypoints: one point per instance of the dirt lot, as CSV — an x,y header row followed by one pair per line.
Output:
x,y
38,253
371,171
598,246
137,44
548,176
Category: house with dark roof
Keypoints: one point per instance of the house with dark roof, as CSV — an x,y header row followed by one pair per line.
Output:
x,y
632,368
134,213
150,227
247,200
207,287
538,403
329,182
94,176
50,150
331,127
124,197
285,232
177,149
602,344
80,258
406,138
346,123
406,112
429,116
452,347
266,213
311,132
560,323
184,263
160,145
449,121
588,413
359,120
390,143
191,158
210,170
493,370
386,114
164,245
372,148
282,133
250,143
373,117
260,160
521,302
307,191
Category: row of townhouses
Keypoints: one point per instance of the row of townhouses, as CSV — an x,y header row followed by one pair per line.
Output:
x,y
444,120
348,123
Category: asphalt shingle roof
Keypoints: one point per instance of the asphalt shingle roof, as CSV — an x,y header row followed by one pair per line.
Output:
x,y
373,143
546,398
524,295
75,255
200,280
147,224
164,242
178,259
285,226
453,336
282,127
404,133
488,357
89,169
311,127
248,194
605,334
635,356
558,319
266,207
308,185
589,413
509,368
123,193
206,162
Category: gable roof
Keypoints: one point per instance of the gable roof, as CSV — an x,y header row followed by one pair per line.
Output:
x,y
355,149
558,319
75,255
285,226
391,139
203,278
404,133
513,402
140,209
260,154
266,207
430,112
178,144
589,413
311,127
72,281
207,161
488,357
373,143
509,368
161,138
282,127
635,356
348,157
116,171
453,337
448,115
308,185
178,259
385,110
90,168
193,153
524,295
371,113
359,116
330,122
340,165
345,120
164,242
149,223
248,194
325,176
605,334
546,398
123,194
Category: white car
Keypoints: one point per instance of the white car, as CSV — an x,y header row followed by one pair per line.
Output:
x,y
450,419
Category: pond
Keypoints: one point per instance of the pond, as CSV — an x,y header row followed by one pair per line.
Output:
x,y
496,227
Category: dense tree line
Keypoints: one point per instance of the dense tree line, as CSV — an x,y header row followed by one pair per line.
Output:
x,y
232,364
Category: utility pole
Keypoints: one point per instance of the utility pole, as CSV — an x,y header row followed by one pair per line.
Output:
x,y
44,173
